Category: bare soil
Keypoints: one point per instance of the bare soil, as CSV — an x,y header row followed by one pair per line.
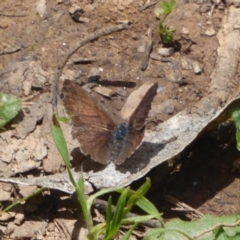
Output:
x,y
204,177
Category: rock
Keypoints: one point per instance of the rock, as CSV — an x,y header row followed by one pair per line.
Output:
x,y
205,8
40,151
7,153
36,113
27,86
51,227
76,12
83,60
210,32
25,166
22,155
3,26
19,217
84,20
104,91
173,72
186,64
56,161
165,52
236,26
185,31
27,190
141,48
29,229
93,75
166,107
147,42
122,92
41,7
123,21
75,8
6,216
5,191
155,56
196,68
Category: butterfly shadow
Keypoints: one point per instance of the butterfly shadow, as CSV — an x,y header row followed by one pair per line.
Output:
x,y
117,83
138,161
80,162
141,158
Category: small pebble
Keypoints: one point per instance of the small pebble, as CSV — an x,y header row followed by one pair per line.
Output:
x,y
217,197
104,91
236,26
210,32
155,56
196,68
185,31
83,19
141,49
123,21
165,52
186,64
74,8
94,75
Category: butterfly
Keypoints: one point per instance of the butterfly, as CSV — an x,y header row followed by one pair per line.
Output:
x,y
105,137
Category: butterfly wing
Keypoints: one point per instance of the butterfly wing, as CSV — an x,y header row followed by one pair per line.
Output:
x,y
135,111
92,125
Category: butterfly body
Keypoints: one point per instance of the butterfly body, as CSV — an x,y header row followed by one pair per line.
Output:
x,y
119,139
99,133
121,132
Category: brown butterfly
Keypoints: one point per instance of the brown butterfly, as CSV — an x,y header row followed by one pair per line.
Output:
x,y
99,133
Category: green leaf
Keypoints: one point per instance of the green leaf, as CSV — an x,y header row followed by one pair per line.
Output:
x,y
97,229
168,6
129,232
63,119
60,141
113,228
83,202
103,192
137,195
208,227
139,219
9,108
109,215
236,119
19,201
148,207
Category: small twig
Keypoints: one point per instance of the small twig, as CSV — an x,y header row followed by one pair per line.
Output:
x,y
148,48
101,204
26,104
147,6
62,228
31,97
90,37
12,15
217,226
182,206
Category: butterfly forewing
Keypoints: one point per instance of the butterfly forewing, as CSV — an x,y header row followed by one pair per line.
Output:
x,y
92,125
84,109
139,115
139,111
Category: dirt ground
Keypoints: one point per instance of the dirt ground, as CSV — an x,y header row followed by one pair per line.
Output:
x,y
204,177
